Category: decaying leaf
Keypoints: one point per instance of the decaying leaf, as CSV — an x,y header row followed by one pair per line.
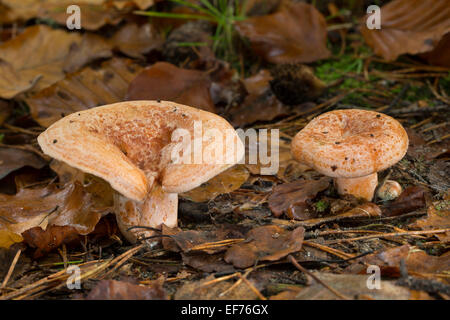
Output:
x,y
164,81
289,198
225,182
353,287
408,26
412,198
122,290
296,32
438,217
206,262
70,206
205,241
416,261
8,238
202,290
267,243
13,159
82,90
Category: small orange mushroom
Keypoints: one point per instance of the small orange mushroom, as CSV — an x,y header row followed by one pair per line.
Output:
x,y
132,144
351,146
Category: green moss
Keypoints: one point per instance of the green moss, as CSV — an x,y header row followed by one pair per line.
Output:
x,y
321,206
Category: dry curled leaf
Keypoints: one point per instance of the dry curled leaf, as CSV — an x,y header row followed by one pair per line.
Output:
x,y
438,217
296,32
267,243
85,89
225,182
164,81
122,290
289,197
408,26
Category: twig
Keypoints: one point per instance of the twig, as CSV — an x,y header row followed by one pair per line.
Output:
x,y
11,269
299,267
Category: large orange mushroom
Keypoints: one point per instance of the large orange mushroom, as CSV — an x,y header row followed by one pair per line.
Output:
x,y
351,146
137,147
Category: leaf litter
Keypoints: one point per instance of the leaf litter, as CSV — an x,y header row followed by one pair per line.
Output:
x,y
243,234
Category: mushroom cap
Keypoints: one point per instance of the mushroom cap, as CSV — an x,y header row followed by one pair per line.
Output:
x,y
350,143
129,144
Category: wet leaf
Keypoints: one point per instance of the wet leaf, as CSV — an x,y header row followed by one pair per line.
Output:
x,y
122,290
13,159
134,40
412,198
296,32
225,182
85,89
8,238
164,81
289,197
407,27
267,243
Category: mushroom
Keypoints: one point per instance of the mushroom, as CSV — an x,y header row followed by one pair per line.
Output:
x,y
390,190
351,146
144,150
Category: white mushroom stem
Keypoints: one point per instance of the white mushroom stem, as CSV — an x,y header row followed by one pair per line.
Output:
x,y
158,208
362,187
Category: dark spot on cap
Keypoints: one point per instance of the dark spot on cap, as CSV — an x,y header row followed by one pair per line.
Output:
x,y
70,121
371,135
62,114
428,42
334,168
55,141
325,132
346,158
184,115
158,100
63,95
337,142
175,110
79,114
378,115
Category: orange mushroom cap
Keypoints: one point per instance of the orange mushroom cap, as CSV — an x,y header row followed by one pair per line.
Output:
x,y
350,143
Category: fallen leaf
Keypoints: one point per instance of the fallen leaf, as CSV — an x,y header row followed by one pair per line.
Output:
x,y
200,290
46,51
226,182
285,197
206,262
440,55
205,241
164,81
44,241
122,290
90,48
353,287
135,40
412,198
296,32
85,89
8,238
13,159
416,261
407,27
267,243
438,217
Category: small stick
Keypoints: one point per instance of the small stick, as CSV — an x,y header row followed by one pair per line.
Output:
x,y
299,267
391,234
252,287
11,269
